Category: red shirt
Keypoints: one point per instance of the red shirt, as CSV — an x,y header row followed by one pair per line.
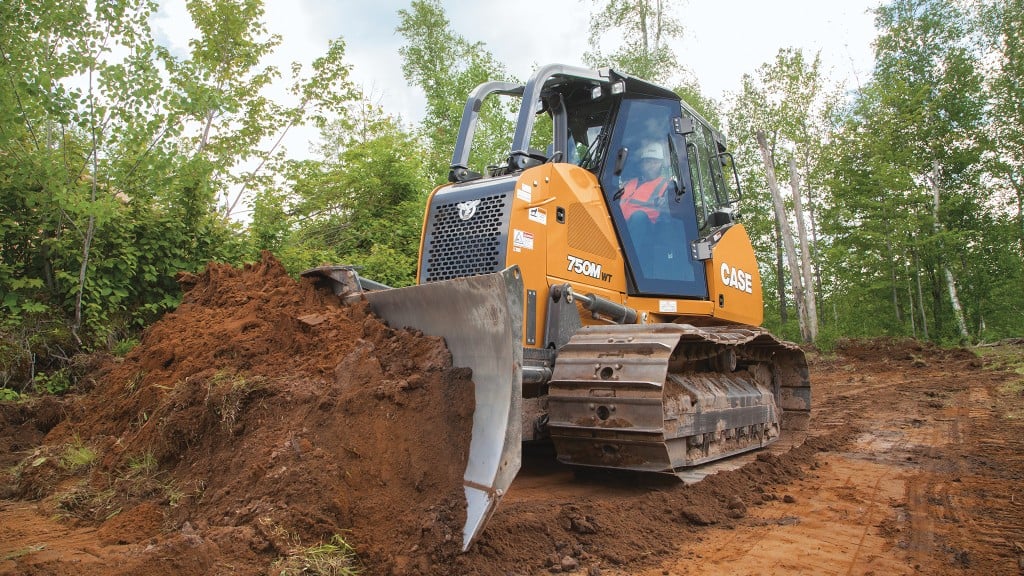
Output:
x,y
643,197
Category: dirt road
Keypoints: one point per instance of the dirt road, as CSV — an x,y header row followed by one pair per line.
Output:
x,y
273,442
914,465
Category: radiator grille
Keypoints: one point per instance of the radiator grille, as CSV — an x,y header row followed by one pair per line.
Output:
x,y
470,247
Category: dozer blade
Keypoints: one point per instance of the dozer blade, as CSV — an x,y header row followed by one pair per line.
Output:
x,y
480,319
671,397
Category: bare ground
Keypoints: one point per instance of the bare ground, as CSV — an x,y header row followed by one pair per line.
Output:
x,y
261,420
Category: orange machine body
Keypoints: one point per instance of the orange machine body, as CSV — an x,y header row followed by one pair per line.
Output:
x,y
561,232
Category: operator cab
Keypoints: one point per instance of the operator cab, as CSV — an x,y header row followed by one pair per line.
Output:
x,y
658,162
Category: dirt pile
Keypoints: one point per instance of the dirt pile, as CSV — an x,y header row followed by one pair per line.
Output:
x,y
261,418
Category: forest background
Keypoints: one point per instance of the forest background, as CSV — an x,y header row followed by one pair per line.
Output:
x,y
122,164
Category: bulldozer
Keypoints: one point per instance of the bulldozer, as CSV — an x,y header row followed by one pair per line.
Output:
x,y
600,285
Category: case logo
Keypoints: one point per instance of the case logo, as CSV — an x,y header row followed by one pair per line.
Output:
x,y
467,209
738,279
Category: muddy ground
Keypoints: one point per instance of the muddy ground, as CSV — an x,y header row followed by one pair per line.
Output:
x,y
263,418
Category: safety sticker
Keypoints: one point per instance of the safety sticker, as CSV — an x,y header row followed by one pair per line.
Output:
x,y
667,306
522,239
525,193
539,215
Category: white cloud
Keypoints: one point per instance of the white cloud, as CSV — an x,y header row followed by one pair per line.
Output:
x,y
172,27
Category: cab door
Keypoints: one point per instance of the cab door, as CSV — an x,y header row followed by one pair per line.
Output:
x,y
658,247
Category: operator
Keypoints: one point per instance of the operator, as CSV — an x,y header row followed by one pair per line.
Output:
x,y
643,198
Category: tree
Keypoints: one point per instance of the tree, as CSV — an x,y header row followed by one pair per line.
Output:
x,y
907,192
362,203
447,67
70,150
646,28
1004,26
1003,271
808,299
783,220
112,154
788,99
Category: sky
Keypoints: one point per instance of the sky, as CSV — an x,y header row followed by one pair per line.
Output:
x,y
722,40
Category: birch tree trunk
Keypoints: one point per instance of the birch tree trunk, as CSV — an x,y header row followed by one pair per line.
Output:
x,y
958,311
787,237
810,303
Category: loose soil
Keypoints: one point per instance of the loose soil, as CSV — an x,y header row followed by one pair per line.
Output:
x,y
263,418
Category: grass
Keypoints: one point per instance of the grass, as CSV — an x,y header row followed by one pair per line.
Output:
x,y
123,347
1014,392
132,384
233,391
1003,357
138,480
76,456
82,501
142,465
333,558
1008,358
175,494
23,552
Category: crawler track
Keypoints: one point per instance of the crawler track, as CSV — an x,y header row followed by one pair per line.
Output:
x,y
671,397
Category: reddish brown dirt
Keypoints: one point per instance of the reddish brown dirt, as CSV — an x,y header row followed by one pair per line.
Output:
x,y
263,417
259,418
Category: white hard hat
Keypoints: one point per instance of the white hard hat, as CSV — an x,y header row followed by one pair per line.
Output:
x,y
652,150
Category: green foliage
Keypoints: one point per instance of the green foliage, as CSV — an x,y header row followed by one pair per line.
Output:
x,y
142,465
57,382
907,210
362,204
705,106
1003,26
123,347
8,395
109,189
447,67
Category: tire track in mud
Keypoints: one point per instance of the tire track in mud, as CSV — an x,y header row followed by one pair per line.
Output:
x,y
868,520
986,513
953,519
